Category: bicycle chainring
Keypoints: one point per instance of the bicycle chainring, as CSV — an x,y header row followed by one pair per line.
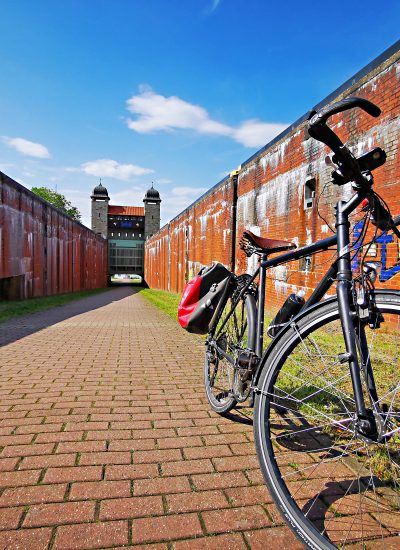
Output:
x,y
242,384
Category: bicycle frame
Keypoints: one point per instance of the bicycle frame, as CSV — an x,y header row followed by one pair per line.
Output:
x,y
339,272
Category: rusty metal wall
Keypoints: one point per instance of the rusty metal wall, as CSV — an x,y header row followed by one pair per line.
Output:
x,y
43,251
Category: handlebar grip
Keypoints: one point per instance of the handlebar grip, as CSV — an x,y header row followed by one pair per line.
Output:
x,y
321,116
324,134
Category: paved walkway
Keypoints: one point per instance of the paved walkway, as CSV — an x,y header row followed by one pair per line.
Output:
x,y
107,439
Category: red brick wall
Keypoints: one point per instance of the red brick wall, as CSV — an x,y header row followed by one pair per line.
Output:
x,y
43,251
271,196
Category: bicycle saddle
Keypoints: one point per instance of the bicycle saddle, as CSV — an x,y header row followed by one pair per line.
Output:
x,y
252,244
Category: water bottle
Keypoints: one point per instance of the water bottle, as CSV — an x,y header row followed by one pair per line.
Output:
x,y
292,305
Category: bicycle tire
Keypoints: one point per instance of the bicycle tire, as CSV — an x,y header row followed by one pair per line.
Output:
x,y
333,488
219,372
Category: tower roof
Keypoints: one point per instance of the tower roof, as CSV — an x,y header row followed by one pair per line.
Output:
x,y
100,192
115,210
152,195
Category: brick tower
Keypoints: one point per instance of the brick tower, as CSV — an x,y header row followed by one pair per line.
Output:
x,y
100,201
151,212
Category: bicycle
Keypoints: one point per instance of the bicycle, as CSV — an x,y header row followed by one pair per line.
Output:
x,y
327,403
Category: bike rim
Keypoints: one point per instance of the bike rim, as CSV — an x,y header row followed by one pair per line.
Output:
x,y
330,483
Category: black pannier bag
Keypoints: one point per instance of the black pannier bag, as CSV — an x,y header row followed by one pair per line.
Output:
x,y
201,297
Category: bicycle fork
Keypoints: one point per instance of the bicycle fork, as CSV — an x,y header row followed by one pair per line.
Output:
x,y
365,422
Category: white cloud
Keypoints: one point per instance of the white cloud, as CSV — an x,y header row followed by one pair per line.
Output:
x,y
156,113
112,169
28,148
254,133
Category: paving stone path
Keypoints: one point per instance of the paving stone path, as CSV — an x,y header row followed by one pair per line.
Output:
x,y
107,439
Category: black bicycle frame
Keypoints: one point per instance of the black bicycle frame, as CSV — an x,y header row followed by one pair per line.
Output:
x,y
339,272
321,289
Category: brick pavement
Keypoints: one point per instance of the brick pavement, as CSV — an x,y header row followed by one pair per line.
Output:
x,y
107,439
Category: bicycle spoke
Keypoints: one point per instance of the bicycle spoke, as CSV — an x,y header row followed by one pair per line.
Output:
x,y
348,487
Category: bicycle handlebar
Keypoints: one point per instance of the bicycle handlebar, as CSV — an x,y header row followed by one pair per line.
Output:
x,y
351,168
318,129
320,117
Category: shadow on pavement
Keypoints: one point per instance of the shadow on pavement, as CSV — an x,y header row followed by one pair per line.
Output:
x,y
19,327
236,415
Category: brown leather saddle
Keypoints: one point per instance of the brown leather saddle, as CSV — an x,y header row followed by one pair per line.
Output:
x,y
252,244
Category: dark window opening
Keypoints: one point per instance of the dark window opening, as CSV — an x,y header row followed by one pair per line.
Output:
x,y
306,264
309,193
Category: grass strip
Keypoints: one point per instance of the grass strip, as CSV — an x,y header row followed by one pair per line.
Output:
x,y
15,308
166,301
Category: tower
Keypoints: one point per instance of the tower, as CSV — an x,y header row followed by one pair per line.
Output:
x,y
100,201
151,212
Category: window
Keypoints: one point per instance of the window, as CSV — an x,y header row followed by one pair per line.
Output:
x,y
309,193
306,264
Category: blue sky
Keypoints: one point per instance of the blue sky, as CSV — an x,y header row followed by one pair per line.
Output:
x,y
178,92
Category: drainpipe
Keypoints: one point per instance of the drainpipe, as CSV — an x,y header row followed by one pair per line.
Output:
x,y
169,260
234,179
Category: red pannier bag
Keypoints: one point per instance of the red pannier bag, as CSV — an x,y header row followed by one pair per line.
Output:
x,y
201,296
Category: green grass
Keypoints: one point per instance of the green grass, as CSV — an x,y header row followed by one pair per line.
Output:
x,y
166,301
15,308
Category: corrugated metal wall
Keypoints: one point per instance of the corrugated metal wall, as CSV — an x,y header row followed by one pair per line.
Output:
x,y
43,251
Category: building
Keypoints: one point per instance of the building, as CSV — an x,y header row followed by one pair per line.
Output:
x,y
126,228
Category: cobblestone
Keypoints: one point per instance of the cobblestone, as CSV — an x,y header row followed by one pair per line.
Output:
x,y
108,440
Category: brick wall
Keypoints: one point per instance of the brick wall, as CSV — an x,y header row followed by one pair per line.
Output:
x,y
43,251
270,195
201,234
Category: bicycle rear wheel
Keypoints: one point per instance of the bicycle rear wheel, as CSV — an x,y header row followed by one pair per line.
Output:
x,y
231,336
334,487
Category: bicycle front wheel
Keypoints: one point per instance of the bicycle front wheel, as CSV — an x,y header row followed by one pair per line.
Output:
x,y
334,487
222,381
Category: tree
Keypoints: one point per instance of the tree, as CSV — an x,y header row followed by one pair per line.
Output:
x,y
59,201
